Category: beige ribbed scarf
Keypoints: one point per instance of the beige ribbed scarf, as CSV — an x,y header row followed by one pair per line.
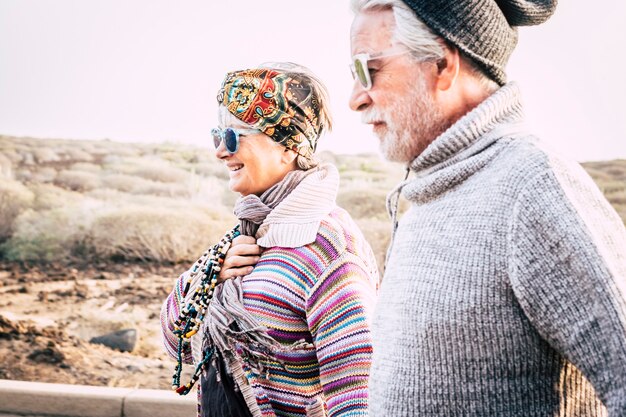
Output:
x,y
251,210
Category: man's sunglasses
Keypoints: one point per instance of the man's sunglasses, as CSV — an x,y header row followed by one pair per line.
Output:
x,y
360,69
230,137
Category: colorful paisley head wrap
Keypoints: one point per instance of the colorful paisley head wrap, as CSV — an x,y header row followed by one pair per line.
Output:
x,y
281,104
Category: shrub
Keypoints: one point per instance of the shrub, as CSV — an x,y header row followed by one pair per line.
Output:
x,y
378,234
75,154
364,203
44,174
50,235
14,199
154,234
27,157
163,189
12,155
208,191
161,172
611,187
23,174
618,198
49,196
212,170
43,155
86,166
6,167
125,183
598,175
137,185
77,180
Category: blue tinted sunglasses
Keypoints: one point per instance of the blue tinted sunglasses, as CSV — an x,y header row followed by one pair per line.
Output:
x,y
230,137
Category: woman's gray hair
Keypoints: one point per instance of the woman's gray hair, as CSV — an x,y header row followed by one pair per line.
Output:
x,y
412,32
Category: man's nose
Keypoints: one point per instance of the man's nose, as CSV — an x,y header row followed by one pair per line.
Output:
x,y
360,98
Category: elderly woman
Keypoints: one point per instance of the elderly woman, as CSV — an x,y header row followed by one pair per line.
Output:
x,y
290,338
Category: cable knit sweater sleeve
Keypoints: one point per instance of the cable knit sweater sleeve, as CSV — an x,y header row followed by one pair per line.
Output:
x,y
568,271
339,316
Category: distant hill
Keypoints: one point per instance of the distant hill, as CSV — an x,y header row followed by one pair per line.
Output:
x,y
71,200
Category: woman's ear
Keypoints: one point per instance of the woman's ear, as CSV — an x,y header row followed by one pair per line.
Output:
x,y
448,68
289,156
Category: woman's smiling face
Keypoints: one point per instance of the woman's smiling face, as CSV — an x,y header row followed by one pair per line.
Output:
x,y
258,164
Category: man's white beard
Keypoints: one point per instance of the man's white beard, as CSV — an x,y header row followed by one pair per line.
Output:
x,y
412,123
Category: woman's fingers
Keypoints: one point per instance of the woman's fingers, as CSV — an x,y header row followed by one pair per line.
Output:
x,y
244,249
244,239
240,261
231,273
241,257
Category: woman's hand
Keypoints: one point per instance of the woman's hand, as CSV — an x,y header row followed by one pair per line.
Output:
x,y
241,258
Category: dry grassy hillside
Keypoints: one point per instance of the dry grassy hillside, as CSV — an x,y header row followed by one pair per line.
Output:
x,y
63,200
67,201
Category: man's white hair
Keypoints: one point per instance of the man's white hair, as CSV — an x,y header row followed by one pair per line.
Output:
x,y
412,32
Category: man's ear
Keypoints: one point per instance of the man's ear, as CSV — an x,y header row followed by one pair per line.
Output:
x,y
448,67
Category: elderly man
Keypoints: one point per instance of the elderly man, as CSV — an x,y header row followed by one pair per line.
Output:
x,y
504,290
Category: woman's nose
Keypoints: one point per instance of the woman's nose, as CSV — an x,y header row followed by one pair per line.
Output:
x,y
221,152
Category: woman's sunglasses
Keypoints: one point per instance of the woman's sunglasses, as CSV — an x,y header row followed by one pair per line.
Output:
x,y
230,137
360,69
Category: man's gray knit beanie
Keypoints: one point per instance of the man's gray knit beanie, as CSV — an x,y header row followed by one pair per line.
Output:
x,y
484,29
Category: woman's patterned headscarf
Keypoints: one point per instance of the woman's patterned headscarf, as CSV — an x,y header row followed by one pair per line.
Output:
x,y
281,104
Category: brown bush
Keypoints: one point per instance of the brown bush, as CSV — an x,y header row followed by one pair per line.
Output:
x,y
163,189
610,187
160,172
6,167
44,174
126,183
49,196
86,166
12,155
14,199
378,234
618,198
50,235
364,203
76,154
77,180
212,170
154,234
45,155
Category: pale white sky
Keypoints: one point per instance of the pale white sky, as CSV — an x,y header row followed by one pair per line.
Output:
x,y
148,70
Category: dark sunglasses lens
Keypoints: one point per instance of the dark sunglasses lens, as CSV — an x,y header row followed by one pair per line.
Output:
x,y
231,140
360,72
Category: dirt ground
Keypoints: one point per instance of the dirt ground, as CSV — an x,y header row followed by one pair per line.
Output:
x,y
49,313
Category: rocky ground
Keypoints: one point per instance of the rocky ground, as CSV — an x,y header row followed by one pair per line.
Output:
x,y
49,313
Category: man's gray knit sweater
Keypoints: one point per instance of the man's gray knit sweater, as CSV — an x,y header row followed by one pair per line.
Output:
x,y
504,293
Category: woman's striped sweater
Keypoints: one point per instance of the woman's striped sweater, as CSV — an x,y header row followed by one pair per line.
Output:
x,y
323,292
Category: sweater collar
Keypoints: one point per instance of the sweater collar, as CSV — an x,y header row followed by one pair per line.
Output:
x,y
503,108
460,151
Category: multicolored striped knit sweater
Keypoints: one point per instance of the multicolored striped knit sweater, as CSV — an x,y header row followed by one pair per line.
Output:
x,y
323,292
